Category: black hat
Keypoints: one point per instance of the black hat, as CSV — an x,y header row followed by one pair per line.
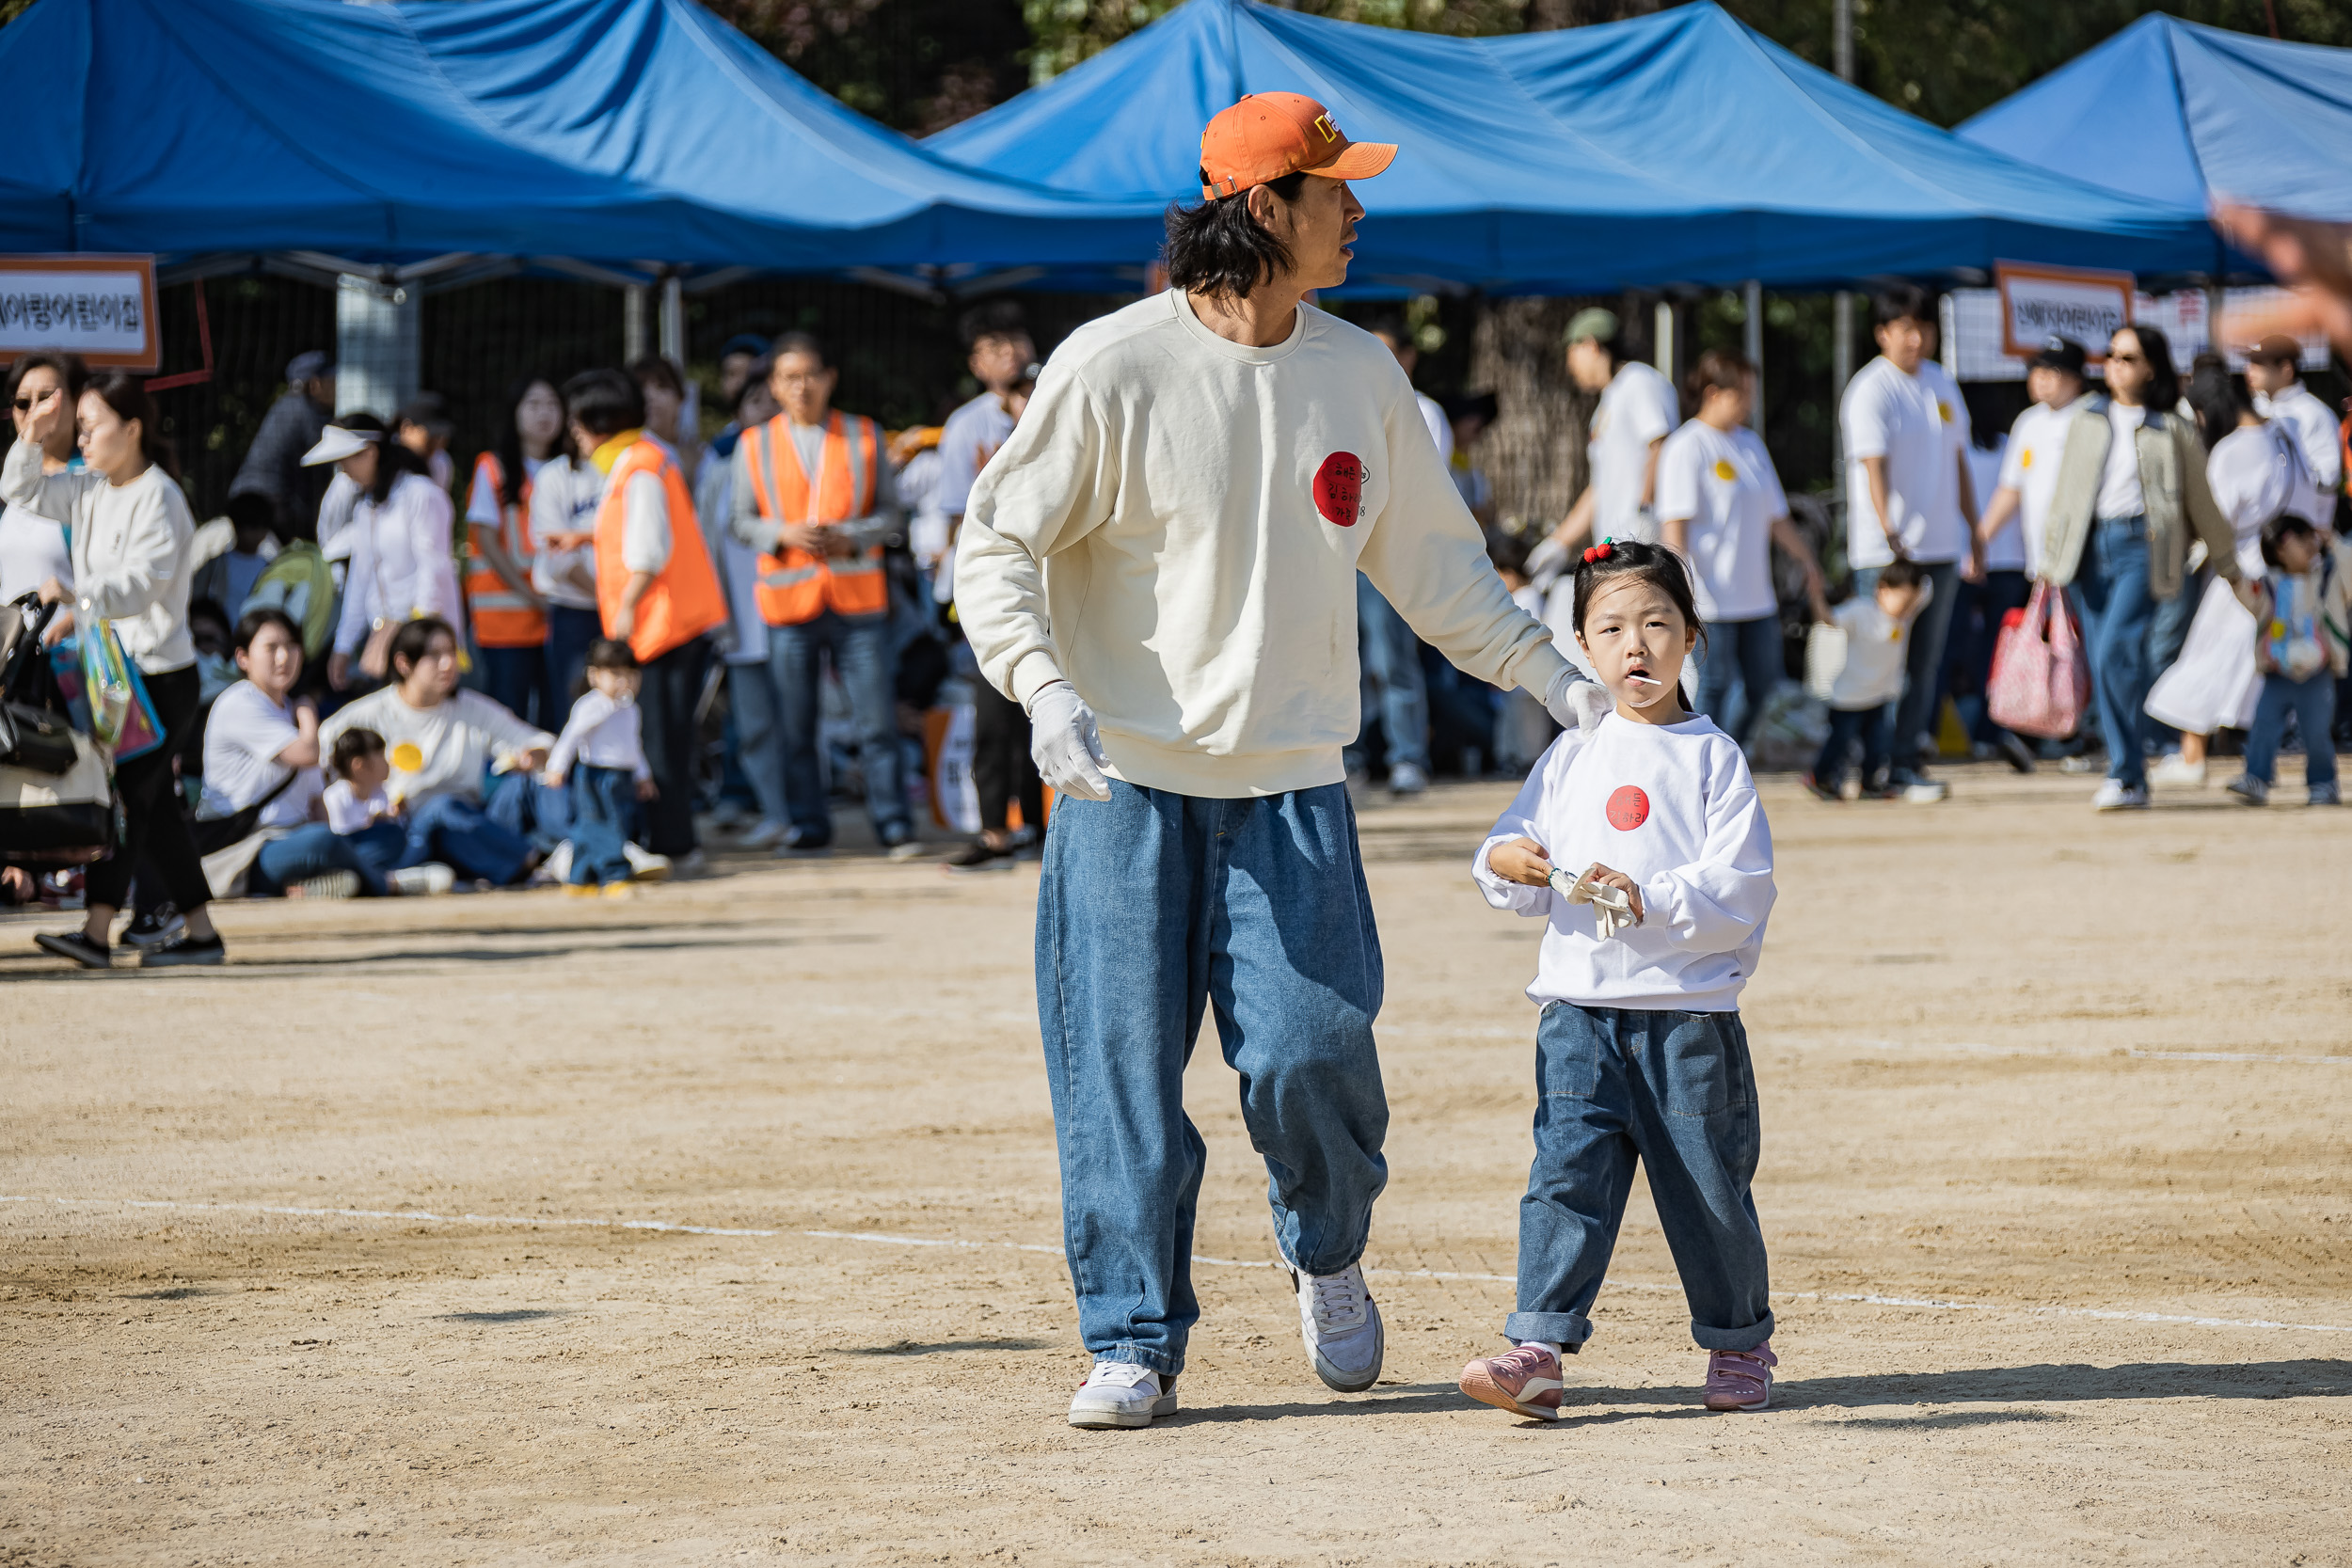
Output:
x,y
431,411
2060,354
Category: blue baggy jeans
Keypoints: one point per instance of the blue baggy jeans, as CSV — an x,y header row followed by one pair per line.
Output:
x,y
2112,596
1676,1091
1152,908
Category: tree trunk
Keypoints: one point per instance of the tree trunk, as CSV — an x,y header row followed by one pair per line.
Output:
x,y
1535,453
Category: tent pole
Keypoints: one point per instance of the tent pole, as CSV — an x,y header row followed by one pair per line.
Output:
x,y
1840,371
635,299
1755,346
1662,338
674,319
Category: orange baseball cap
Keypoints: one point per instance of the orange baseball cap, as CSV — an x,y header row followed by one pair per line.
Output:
x,y
1268,135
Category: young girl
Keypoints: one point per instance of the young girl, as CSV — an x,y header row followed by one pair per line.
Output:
x,y
602,754
1642,844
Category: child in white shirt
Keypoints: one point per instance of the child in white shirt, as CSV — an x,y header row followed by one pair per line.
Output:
x,y
1642,843
601,755
357,800
1863,689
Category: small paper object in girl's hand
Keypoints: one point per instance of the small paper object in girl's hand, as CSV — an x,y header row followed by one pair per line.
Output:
x,y
1612,908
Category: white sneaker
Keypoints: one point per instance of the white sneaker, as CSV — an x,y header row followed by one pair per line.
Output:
x,y
557,867
1926,792
645,866
416,881
1341,1324
1122,1394
2115,794
762,836
1408,779
2172,770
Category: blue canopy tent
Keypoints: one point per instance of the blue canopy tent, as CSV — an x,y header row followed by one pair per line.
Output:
x,y
1679,147
613,131
2178,114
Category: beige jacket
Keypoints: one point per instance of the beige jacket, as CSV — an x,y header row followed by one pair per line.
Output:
x,y
2172,479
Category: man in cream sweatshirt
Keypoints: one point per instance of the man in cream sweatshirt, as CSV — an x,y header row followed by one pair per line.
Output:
x,y
1160,566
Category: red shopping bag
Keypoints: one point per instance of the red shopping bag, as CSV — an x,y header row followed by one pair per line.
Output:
x,y
2040,676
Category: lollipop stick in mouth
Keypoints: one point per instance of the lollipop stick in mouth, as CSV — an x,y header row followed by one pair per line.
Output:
x,y
1645,680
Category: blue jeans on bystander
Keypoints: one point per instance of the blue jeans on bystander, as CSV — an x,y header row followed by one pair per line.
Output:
x,y
1749,653
1153,908
315,850
517,680
2312,701
2111,594
605,818
860,648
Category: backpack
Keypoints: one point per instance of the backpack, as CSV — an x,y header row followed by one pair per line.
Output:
x,y
299,582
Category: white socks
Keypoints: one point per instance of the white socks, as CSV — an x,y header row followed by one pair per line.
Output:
x,y
1542,1344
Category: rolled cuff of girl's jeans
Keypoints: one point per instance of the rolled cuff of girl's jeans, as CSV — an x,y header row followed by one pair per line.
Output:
x,y
1141,1355
1731,1338
1565,1329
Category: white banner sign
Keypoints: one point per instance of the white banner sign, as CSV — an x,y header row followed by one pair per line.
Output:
x,y
101,308
2042,303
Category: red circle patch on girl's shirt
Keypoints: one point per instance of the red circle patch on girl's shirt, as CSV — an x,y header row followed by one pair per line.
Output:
x,y
1339,488
1629,808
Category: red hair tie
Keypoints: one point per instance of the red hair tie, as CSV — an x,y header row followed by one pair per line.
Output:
x,y
1599,552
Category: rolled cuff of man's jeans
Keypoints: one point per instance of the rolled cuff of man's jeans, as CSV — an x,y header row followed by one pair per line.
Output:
x,y
1141,1355
1568,1330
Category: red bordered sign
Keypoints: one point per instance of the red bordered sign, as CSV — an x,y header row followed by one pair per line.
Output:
x,y
101,308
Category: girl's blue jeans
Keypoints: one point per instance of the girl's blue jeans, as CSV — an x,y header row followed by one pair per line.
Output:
x,y
1675,1092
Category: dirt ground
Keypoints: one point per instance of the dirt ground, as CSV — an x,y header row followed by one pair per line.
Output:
x,y
373,1248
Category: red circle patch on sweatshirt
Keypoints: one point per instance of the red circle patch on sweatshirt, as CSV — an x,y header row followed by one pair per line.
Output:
x,y
1629,808
1339,488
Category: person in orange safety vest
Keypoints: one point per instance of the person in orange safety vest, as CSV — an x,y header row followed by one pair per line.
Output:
x,y
510,621
656,588
812,494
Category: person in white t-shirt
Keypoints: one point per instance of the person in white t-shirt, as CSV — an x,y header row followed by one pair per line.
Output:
x,y
1721,507
564,494
1396,690
2010,530
261,753
1644,849
2273,375
445,745
1638,411
1904,471
600,759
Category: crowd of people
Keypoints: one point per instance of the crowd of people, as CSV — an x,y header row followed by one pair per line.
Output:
x,y
372,679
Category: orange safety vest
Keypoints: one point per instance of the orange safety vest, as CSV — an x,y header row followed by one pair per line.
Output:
x,y
798,587
501,617
685,599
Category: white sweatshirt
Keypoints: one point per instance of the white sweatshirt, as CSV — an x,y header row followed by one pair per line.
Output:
x,y
400,564
131,545
602,733
1175,528
1673,808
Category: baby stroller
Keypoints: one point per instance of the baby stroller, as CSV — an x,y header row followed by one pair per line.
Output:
x,y
57,800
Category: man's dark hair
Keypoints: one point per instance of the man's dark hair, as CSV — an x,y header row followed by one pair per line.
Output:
x,y
604,403
249,626
1507,551
413,639
1653,564
997,319
1901,302
350,747
1219,249
799,342
2276,530
1902,573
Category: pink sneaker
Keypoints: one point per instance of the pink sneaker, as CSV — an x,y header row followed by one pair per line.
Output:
x,y
1525,1382
1740,1378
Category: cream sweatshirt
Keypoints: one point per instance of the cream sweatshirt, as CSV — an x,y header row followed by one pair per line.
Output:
x,y
1175,528
1673,807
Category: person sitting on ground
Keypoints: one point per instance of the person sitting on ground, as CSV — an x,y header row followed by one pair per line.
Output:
x,y
227,578
2302,605
443,743
601,756
1877,634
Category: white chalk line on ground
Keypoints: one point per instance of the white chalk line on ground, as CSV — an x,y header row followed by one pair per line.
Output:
x,y
878,1237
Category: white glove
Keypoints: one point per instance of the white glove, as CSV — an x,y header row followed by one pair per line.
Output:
x,y
1576,701
1612,908
1065,744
